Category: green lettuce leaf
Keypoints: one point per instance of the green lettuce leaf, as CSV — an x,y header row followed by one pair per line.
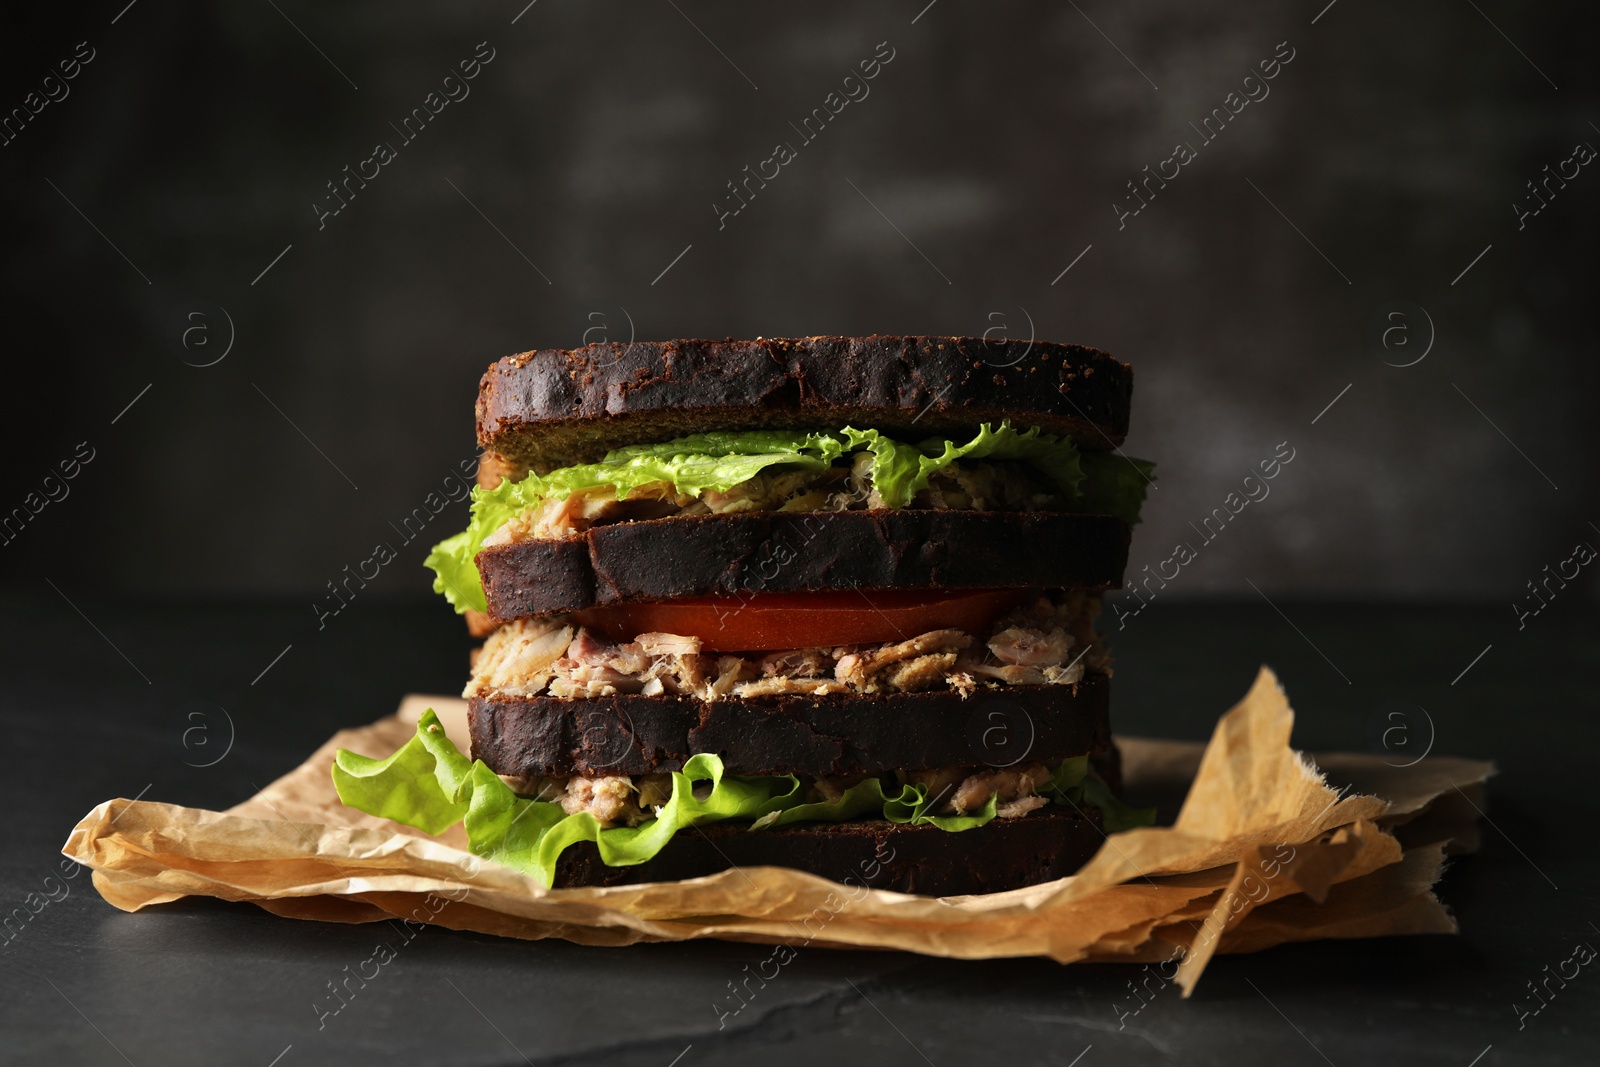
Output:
x,y
1115,484
714,461
718,461
423,783
427,783
900,471
1055,457
1075,783
912,805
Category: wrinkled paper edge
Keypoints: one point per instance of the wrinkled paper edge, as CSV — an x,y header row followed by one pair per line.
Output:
x,y
1264,851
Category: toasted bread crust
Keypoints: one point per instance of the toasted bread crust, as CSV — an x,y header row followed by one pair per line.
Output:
x,y
628,734
1004,854
552,407
751,552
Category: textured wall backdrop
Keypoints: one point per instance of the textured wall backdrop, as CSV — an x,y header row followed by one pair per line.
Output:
x,y
168,206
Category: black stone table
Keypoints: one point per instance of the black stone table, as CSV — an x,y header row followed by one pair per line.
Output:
x,y
119,700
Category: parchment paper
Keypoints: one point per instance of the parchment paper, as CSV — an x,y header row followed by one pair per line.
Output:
x,y
1264,851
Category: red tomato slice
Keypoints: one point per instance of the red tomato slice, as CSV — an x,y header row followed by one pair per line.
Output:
x,y
763,621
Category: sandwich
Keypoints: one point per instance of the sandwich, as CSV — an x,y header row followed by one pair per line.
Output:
x,y
825,603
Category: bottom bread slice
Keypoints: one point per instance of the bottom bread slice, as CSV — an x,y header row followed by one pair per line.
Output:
x,y
1003,854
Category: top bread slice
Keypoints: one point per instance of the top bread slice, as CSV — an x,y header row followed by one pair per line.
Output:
x,y
553,408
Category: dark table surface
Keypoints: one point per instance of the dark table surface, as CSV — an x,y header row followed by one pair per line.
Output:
x,y
106,701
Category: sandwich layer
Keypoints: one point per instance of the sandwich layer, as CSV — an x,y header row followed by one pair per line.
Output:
x,y
747,552
429,784
552,408
1014,791
1004,854
1048,641
849,482
987,468
829,736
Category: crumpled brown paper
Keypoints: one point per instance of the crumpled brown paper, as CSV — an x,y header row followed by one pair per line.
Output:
x,y
1264,851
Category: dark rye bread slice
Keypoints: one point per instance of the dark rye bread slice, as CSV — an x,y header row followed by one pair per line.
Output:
x,y
493,469
553,408
1003,854
528,737
750,552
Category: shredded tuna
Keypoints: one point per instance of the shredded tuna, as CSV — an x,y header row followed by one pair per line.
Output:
x,y
668,663
924,672
742,497
939,783
1074,613
577,681
607,799
816,500
657,644
975,481
587,649
621,801
654,790
797,663
730,671
847,486
1071,674
778,686
857,668
1004,784
1031,648
1009,673
586,508
628,659
1016,809
683,674
518,659
775,489
1044,643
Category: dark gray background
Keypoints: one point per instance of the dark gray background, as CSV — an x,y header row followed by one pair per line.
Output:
x,y
997,140
188,157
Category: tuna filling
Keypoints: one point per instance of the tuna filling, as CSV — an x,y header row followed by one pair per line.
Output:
x,y
1049,642
623,801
